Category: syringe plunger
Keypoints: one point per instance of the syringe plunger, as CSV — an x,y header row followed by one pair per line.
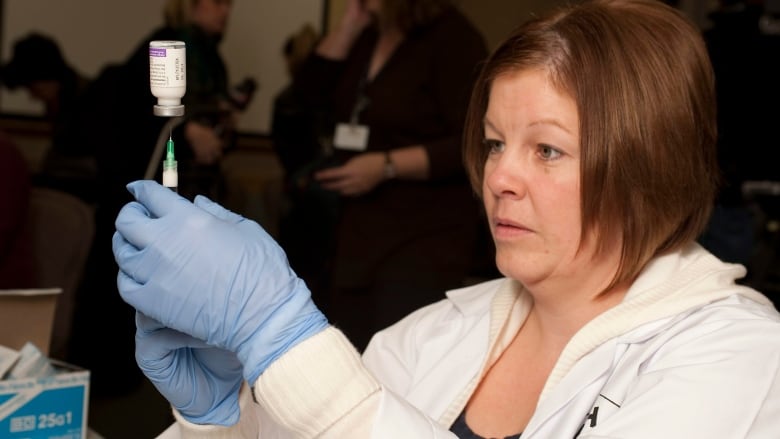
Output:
x,y
170,173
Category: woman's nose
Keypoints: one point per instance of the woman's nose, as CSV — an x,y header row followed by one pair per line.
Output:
x,y
504,176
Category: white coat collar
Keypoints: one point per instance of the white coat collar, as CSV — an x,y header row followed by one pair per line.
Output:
x,y
669,285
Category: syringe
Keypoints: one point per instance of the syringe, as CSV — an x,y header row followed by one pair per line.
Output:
x,y
168,82
170,173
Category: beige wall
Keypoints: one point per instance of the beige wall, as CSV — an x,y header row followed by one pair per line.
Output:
x,y
336,7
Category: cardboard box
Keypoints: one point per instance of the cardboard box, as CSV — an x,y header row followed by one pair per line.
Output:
x,y
53,407
27,315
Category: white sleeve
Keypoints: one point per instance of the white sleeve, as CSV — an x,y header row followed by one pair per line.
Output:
x,y
246,428
315,384
320,388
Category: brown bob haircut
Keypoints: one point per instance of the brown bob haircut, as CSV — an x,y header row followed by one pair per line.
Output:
x,y
643,83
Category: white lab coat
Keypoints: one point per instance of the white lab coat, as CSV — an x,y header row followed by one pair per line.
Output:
x,y
687,354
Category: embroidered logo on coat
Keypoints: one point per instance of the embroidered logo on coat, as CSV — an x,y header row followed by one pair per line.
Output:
x,y
592,419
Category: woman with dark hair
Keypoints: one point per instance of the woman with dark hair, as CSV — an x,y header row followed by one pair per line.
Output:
x,y
392,80
208,128
590,138
39,66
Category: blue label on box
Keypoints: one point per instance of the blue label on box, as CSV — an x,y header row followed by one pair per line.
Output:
x,y
54,413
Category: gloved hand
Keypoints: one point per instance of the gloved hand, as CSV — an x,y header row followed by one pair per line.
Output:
x,y
205,271
199,380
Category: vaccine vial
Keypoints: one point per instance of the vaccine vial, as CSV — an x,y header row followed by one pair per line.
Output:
x,y
168,76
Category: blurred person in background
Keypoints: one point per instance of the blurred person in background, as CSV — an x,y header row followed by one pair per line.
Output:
x,y
306,224
119,123
208,128
292,128
392,79
39,67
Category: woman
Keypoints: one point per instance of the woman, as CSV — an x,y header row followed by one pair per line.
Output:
x,y
39,67
209,127
593,150
391,81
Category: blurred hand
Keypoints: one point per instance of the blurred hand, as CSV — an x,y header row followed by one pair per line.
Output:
x,y
206,143
356,17
338,42
200,381
358,176
212,274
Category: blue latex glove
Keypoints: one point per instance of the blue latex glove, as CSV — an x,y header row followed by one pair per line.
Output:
x,y
205,271
200,381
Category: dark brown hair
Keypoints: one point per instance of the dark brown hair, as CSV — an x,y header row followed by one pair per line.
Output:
x,y
642,80
410,15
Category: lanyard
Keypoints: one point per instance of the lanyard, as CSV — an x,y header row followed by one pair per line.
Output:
x,y
361,101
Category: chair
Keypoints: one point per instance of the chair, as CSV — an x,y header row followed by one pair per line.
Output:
x,y
63,227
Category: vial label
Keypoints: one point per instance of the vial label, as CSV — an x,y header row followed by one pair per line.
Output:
x,y
167,67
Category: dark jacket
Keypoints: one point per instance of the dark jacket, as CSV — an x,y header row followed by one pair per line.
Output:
x,y
413,237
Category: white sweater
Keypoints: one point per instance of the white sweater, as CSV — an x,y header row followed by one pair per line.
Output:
x,y
685,342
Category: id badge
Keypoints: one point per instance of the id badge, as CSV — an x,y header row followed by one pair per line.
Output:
x,y
352,137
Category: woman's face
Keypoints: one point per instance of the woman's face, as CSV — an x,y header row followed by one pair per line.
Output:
x,y
531,187
211,15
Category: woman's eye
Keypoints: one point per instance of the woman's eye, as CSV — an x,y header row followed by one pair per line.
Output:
x,y
547,152
493,145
